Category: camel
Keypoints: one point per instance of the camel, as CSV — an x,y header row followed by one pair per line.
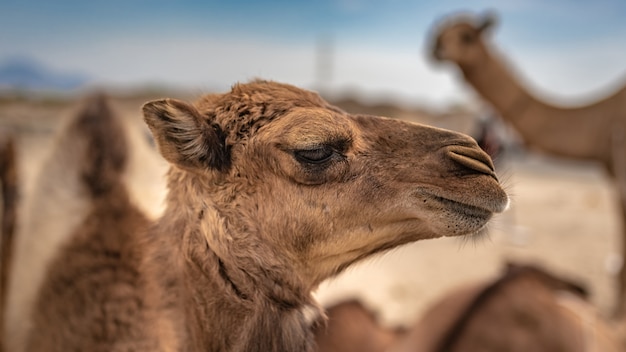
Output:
x,y
270,191
526,309
595,132
54,203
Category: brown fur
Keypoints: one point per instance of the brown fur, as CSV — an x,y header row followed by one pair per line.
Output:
x,y
8,182
271,190
592,132
351,327
524,310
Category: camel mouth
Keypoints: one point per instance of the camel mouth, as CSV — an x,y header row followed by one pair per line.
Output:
x,y
467,210
468,219
464,215
494,202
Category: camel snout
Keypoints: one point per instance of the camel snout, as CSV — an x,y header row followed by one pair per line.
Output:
x,y
472,158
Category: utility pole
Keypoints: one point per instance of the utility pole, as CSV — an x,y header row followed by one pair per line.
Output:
x,y
324,63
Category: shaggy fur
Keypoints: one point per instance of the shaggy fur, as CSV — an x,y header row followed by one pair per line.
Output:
x,y
271,190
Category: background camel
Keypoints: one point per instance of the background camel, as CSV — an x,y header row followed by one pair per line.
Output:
x,y
526,309
54,203
271,190
593,132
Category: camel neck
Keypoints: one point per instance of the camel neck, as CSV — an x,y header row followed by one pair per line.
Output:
x,y
496,84
230,305
229,312
573,133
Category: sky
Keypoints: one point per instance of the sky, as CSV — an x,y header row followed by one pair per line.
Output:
x,y
569,50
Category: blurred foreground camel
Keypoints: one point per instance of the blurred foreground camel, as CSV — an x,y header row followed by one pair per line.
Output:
x,y
526,309
271,190
593,132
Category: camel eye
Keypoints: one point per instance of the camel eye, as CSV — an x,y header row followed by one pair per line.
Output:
x,y
467,38
314,156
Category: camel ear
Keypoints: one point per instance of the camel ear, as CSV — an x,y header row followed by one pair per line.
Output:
x,y
487,21
185,137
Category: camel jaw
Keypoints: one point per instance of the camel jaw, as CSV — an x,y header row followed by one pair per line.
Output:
x,y
462,216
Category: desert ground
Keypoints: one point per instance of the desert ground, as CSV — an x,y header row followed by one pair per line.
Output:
x,y
563,216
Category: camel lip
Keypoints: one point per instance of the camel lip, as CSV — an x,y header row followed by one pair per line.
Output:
x,y
474,209
464,208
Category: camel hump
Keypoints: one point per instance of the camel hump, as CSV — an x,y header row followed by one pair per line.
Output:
x,y
105,153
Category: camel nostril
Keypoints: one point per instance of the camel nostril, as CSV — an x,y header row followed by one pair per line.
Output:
x,y
472,158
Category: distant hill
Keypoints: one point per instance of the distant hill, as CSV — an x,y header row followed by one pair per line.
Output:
x,y
27,74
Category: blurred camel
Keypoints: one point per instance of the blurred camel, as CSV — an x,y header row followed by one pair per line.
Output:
x,y
526,309
57,204
593,132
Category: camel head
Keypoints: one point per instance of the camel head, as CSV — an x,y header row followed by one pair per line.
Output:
x,y
459,39
275,179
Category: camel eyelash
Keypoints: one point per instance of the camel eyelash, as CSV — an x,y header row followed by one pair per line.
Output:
x,y
314,156
322,153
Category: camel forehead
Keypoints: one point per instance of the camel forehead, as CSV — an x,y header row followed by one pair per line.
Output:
x,y
310,127
250,106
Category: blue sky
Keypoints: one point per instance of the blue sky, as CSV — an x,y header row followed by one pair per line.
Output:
x,y
565,48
